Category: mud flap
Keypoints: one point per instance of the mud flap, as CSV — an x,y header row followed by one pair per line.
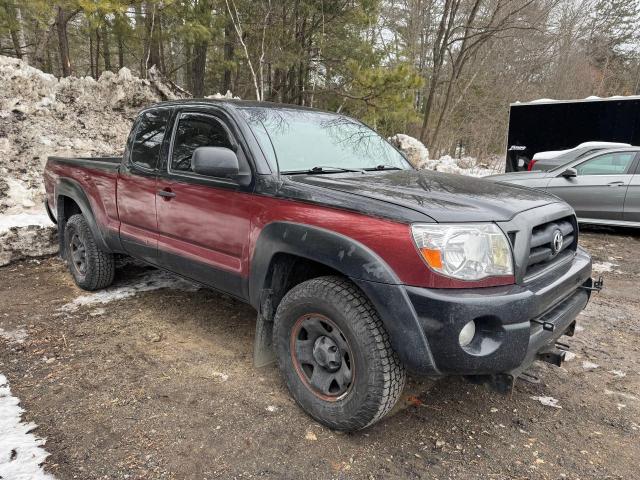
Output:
x,y
263,352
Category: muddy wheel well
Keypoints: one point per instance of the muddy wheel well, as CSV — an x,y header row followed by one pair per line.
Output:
x,y
69,207
66,208
285,272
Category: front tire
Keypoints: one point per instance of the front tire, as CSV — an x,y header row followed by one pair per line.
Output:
x,y
90,267
335,354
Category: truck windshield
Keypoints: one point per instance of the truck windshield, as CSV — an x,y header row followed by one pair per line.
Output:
x,y
318,142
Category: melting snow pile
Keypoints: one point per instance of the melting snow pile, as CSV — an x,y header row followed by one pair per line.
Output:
x,y
21,452
413,148
40,116
418,156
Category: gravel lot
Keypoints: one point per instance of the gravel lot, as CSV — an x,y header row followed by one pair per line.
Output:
x,y
159,384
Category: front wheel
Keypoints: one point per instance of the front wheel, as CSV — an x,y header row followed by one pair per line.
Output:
x,y
335,354
90,267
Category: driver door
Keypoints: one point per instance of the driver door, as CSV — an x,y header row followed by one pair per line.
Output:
x,y
598,190
203,221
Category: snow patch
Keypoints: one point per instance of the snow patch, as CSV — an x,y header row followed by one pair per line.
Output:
x,y
226,96
222,376
628,396
548,401
603,267
587,365
568,356
418,155
618,373
24,219
19,335
468,166
21,452
156,280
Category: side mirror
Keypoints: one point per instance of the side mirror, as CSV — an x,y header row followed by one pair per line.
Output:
x,y
215,162
569,172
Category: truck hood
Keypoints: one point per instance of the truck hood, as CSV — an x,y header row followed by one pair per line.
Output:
x,y
443,197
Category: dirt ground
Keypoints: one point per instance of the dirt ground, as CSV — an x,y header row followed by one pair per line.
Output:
x,y
160,385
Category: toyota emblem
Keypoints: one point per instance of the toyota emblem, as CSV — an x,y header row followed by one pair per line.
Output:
x,y
558,241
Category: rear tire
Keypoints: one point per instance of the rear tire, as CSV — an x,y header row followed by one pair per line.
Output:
x,y
91,267
335,354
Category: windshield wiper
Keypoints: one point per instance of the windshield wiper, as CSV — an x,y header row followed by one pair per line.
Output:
x,y
326,169
384,167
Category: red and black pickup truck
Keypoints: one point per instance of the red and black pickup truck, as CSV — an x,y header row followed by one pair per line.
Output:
x,y
360,267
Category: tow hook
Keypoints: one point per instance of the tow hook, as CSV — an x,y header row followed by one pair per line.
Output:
x,y
547,326
596,286
554,356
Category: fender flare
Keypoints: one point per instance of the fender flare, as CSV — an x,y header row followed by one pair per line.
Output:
x,y
337,251
363,266
67,187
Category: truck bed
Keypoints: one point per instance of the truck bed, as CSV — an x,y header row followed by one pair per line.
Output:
x,y
96,179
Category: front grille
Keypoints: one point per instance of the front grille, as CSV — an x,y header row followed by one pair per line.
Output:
x,y
543,254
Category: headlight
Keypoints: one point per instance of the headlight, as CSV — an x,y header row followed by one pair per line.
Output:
x,y
466,251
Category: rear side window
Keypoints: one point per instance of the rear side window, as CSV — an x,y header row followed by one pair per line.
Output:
x,y
147,142
196,130
608,164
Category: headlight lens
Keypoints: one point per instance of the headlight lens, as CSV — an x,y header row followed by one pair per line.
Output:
x,y
469,251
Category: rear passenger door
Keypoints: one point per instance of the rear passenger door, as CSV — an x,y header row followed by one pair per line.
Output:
x,y
598,191
203,221
136,191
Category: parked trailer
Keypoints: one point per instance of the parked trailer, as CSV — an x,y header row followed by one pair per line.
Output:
x,y
547,124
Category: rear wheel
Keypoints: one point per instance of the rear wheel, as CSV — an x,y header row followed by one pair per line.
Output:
x,y
90,267
335,354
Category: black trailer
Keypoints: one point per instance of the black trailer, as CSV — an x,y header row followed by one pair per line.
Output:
x,y
544,125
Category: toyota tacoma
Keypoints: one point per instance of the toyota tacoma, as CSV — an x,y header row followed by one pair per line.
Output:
x,y
360,267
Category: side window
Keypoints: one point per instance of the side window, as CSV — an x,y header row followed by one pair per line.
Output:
x,y
196,130
148,139
607,164
588,152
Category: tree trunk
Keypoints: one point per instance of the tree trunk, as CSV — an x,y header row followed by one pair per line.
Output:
x,y
198,66
152,39
91,60
228,55
62,19
41,52
97,54
106,46
439,50
188,69
17,36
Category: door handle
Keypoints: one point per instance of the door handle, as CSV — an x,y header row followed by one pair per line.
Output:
x,y
618,183
167,194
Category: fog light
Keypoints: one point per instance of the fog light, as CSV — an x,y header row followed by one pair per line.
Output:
x,y
467,333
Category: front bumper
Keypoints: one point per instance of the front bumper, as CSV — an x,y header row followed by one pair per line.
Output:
x,y
509,330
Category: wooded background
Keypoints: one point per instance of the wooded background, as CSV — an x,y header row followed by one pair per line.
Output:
x,y
441,70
